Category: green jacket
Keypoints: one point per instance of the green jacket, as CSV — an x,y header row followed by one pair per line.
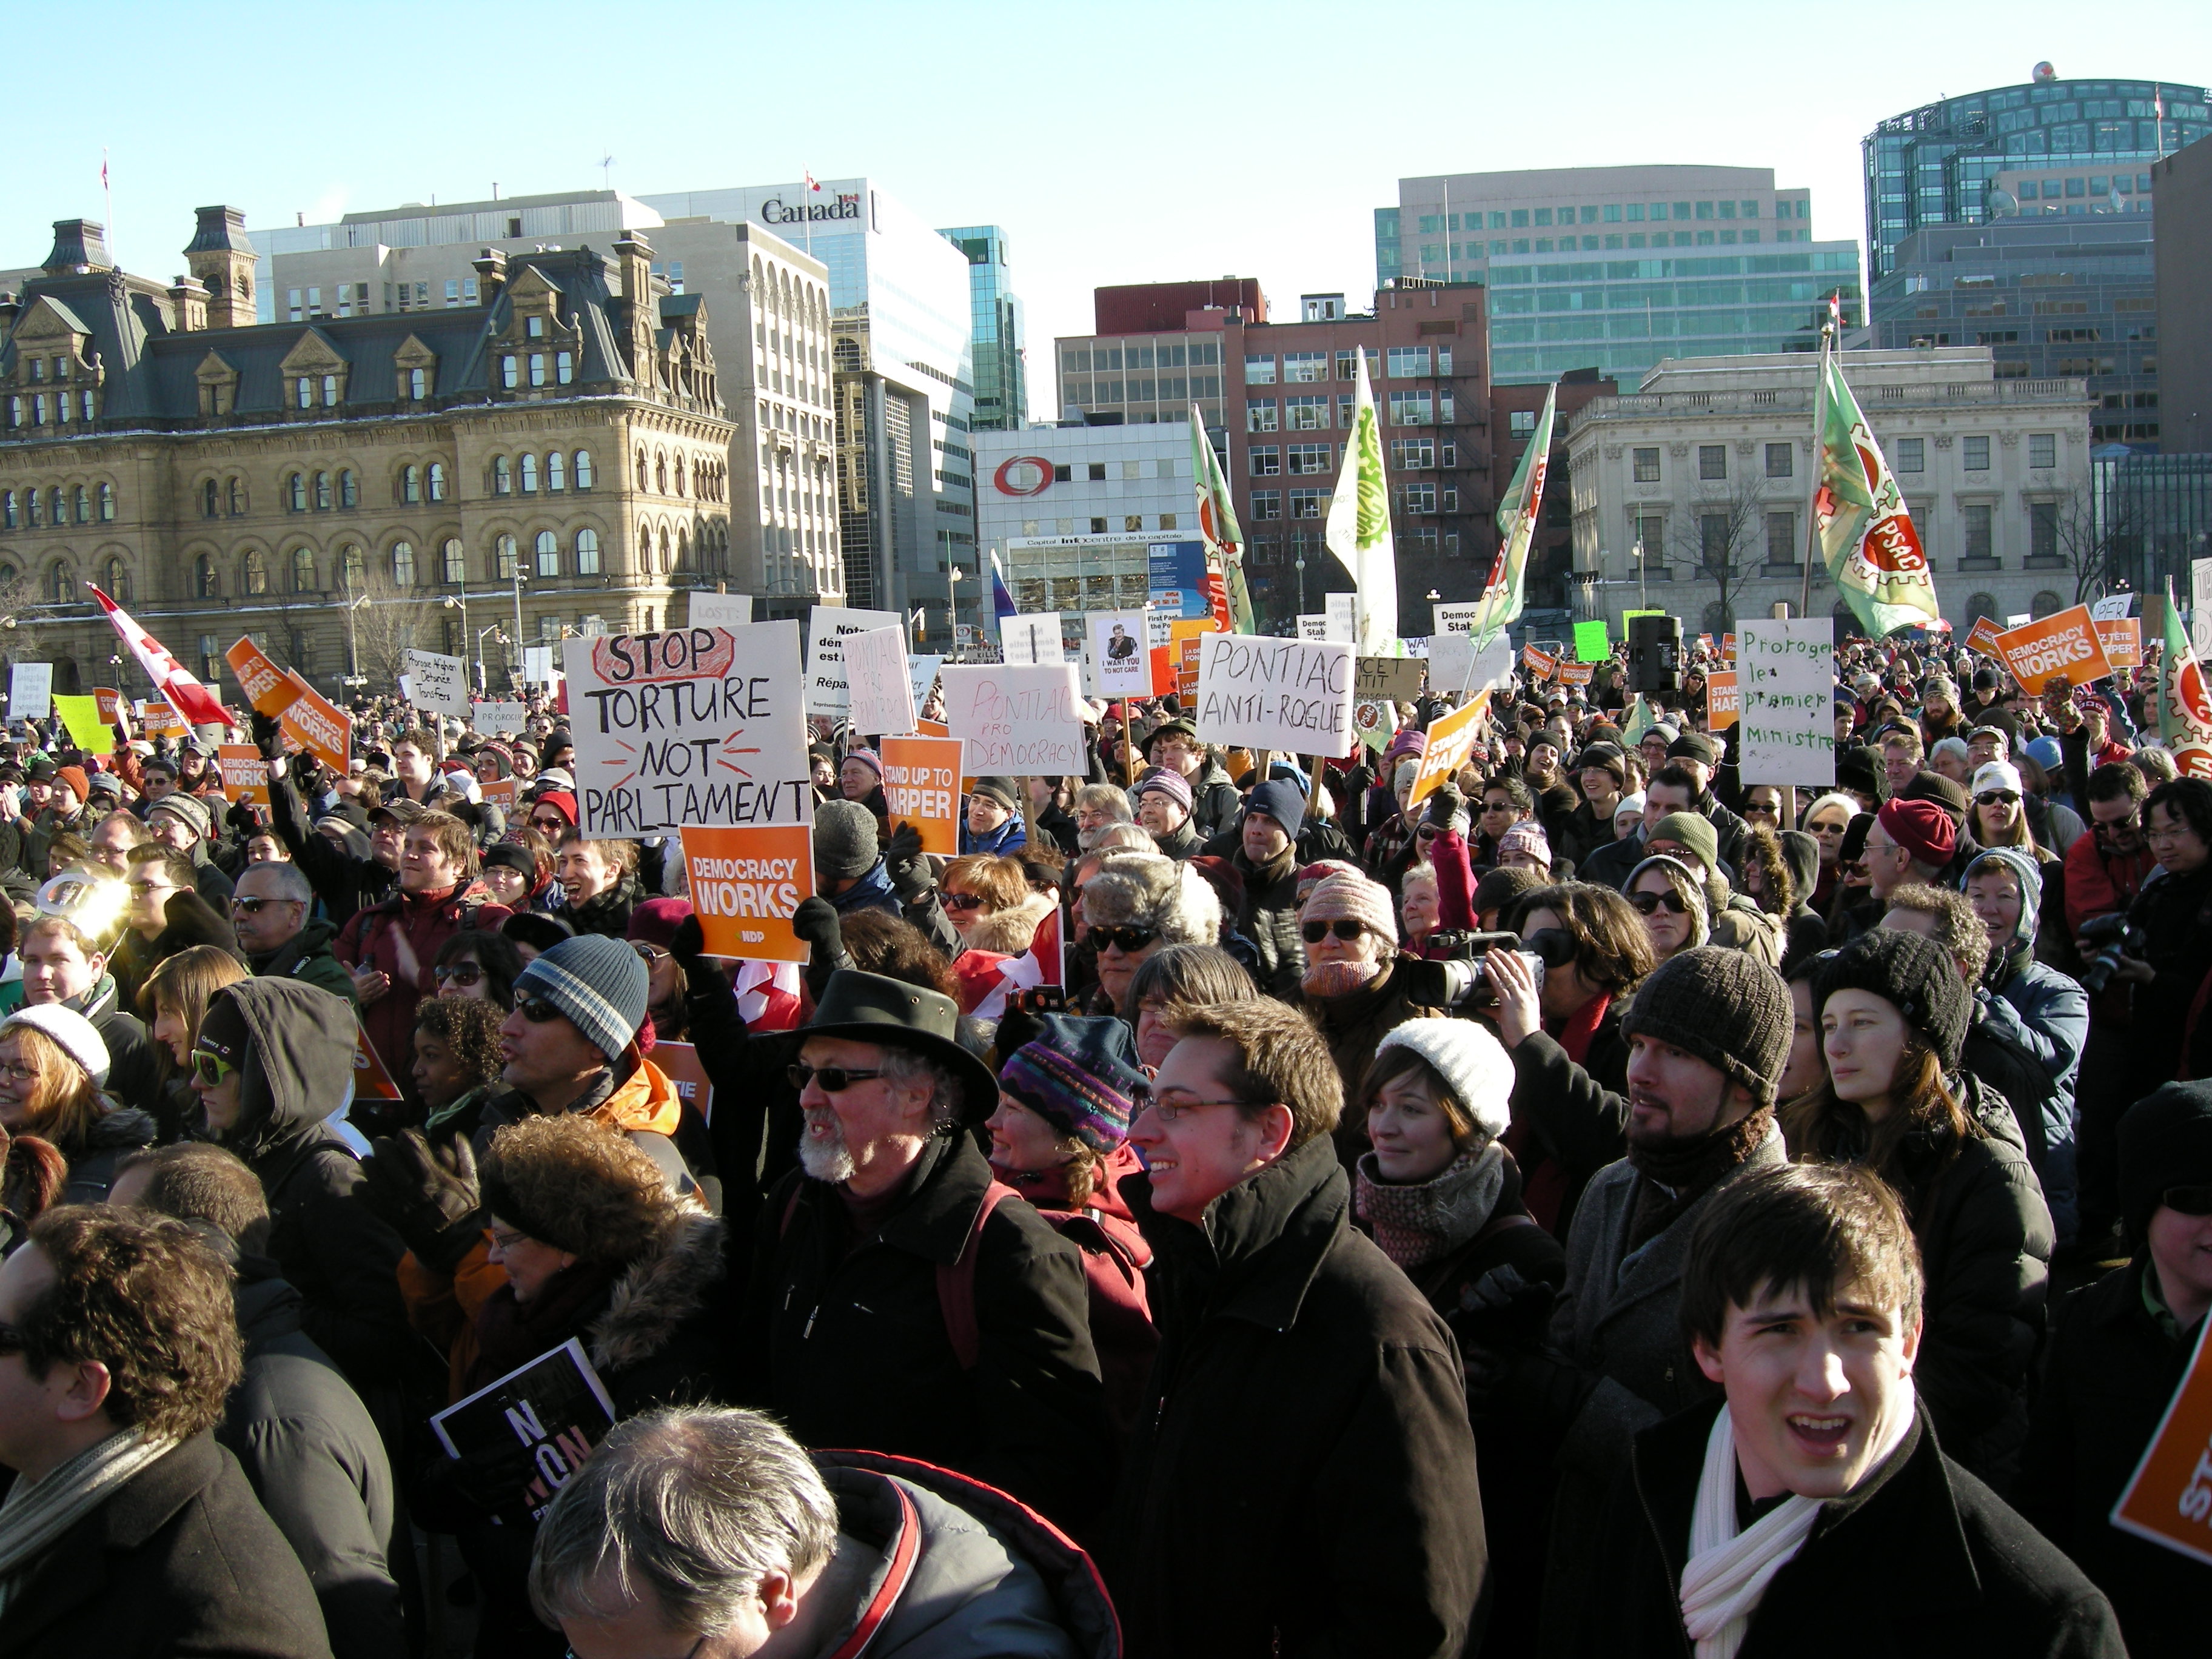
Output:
x,y
307,957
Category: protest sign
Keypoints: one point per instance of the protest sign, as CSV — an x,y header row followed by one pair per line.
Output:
x,y
1276,694
1313,625
1340,610
1015,719
1451,740
262,681
1728,647
922,786
697,727
1387,676
746,882
1983,637
921,674
1786,674
2168,1500
1456,666
1592,643
876,682
500,792
1722,706
1375,722
160,720
2200,608
1031,639
931,729
2113,607
721,609
80,718
492,718
440,683
2061,647
538,664
318,726
30,690
828,628
406,687
555,1407
1542,664
371,1080
1453,619
1184,634
110,704
245,773
1116,664
2122,638
679,1063
1576,673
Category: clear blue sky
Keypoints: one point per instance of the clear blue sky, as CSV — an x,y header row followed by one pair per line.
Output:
x,y
1132,141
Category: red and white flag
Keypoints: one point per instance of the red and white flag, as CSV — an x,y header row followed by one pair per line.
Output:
x,y
186,694
810,182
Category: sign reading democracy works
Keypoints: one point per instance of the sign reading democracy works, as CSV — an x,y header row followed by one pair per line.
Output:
x,y
697,725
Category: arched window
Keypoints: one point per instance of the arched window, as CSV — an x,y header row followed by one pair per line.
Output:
x,y
410,483
660,474
238,502
60,506
667,551
64,585
295,493
503,479
80,498
454,566
530,474
583,469
257,573
115,579
304,392
330,391
2045,604
211,499
353,568
644,552
402,564
556,470
303,570
587,552
1979,606
348,489
683,552
107,503
419,384
502,552
679,475
437,481
548,554
204,583
7,509
642,474
322,492
34,507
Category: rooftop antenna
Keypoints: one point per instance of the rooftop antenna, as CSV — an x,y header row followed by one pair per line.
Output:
x,y
606,169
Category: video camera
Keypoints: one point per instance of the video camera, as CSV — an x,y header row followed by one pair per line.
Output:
x,y
1455,975
2109,935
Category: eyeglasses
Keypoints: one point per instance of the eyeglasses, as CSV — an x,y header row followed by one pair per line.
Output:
x,y
1344,927
504,1240
2187,1201
1490,807
1127,940
253,907
210,1069
537,1010
1170,1111
1997,796
1646,904
143,888
550,824
834,1079
648,954
16,1072
965,902
463,974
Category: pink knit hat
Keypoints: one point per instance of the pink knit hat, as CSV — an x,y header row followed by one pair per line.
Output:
x,y
1525,836
1363,900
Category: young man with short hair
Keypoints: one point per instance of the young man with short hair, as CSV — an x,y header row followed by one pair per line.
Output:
x,y
61,964
1809,1510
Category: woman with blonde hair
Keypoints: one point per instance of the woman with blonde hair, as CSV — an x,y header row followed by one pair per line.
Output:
x,y
173,1002
52,1063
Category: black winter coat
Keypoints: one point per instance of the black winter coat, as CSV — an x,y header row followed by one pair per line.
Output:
x,y
1302,1480
2174,914
1269,918
1568,1121
844,1340
180,1561
1922,1562
2109,1372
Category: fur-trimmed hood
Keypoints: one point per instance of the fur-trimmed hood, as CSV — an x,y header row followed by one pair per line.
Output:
x,y
1009,931
657,1294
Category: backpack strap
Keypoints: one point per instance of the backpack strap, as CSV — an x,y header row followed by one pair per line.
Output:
x,y
956,1282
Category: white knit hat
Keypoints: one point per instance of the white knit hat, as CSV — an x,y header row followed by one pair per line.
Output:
x,y
1999,775
79,1038
1473,1064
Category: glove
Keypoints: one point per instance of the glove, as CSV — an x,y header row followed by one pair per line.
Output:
x,y
496,1478
815,921
1445,804
907,866
268,735
1526,1385
705,980
428,1194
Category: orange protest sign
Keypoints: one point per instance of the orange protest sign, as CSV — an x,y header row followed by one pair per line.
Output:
x,y
267,687
317,725
1576,673
2169,1498
372,1080
2063,646
110,704
1727,647
500,792
679,1063
161,721
745,882
2123,641
1723,702
1983,636
245,773
1542,664
921,785
1451,740
932,728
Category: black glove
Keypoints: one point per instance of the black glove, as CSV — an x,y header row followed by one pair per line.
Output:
x,y
496,1478
268,735
815,921
704,979
1527,1384
1445,804
907,866
427,1195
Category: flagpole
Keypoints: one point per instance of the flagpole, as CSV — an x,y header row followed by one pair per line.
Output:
x,y
1813,501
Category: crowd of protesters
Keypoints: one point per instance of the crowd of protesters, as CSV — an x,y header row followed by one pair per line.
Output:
x,y
1576,1204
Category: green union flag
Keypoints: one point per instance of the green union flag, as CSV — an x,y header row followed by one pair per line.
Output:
x,y
1867,538
1499,602
1217,521
1358,527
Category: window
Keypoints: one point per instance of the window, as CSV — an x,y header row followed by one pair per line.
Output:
x,y
303,392
330,391
1306,503
351,567
1259,371
1652,537
538,369
1646,464
1912,454
502,555
556,470
536,328
509,373
1266,504
295,493
587,552
437,481
322,492
1408,362
1782,537
1977,454
303,570
410,484
2043,530
210,662
1780,460
564,367
1413,409
210,502
1419,453
402,564
583,469
1712,460
419,384
2042,450
349,489
1169,521
1308,458
1417,497
1306,414
1305,367
1266,461
548,554
81,504
530,474
1521,423
60,509
8,510
1979,520
238,502
116,579
204,585
1713,538
1259,415
257,573
2045,604
1133,521
452,568
1443,360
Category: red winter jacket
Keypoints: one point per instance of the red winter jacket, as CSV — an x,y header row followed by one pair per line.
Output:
x,y
401,938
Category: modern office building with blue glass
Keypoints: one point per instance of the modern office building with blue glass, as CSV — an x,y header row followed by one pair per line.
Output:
x,y
1000,330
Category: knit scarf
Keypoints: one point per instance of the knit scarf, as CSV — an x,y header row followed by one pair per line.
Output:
x,y
1728,1571
1677,1176
36,1513
1420,1221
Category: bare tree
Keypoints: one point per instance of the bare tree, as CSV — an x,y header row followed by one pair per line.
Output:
x,y
2090,540
1722,540
387,622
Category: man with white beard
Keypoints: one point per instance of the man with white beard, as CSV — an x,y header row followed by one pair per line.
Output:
x,y
901,1299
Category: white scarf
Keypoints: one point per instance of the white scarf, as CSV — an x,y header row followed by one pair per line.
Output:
x,y
1728,1571
37,1513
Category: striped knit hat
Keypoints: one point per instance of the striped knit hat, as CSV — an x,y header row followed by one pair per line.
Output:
x,y
600,984
1081,1076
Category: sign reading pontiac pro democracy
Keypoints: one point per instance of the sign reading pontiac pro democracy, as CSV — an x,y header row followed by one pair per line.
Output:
x,y
1276,694
697,725
877,681
1014,720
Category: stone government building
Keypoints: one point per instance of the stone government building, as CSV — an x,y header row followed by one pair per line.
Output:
x,y
332,488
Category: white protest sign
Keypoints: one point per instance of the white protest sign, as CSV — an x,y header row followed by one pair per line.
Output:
x,y
493,717
1116,663
827,627
1276,694
721,609
1032,639
2116,607
439,684
700,725
406,687
1015,719
538,664
1454,666
1343,621
31,691
1785,677
1313,625
1159,627
2200,607
876,678
1454,618
922,673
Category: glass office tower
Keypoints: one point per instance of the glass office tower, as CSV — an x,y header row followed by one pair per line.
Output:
x,y
1000,333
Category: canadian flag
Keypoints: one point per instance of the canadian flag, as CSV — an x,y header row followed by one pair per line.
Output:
x,y
186,695
810,182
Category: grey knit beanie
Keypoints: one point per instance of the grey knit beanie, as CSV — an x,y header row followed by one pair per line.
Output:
x,y
600,984
844,840
1723,1007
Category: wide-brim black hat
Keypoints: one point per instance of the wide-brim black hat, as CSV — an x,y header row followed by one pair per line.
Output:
x,y
874,1008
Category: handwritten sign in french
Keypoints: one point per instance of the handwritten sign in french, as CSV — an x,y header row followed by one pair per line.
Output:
x,y
1785,682
829,626
1015,719
1276,694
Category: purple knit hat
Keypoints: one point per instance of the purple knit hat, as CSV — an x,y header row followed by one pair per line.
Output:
x,y
1081,1076
1410,740
1173,785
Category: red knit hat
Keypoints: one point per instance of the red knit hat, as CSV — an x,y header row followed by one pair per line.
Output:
x,y
1922,827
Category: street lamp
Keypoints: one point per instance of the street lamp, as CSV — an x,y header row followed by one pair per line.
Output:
x,y
462,603
954,573
353,650
519,579
1642,603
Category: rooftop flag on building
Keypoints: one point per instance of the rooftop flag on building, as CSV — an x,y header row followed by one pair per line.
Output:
x,y
1002,601
2184,707
1866,536
1499,603
1217,522
1358,527
186,694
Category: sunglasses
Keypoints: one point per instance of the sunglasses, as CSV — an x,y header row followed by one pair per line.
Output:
x,y
537,1010
648,954
1646,904
964,902
834,1079
1127,940
1344,927
1994,796
253,907
2188,1201
211,1069
458,973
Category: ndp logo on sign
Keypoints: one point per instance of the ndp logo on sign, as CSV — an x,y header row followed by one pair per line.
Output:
x,y
1023,475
